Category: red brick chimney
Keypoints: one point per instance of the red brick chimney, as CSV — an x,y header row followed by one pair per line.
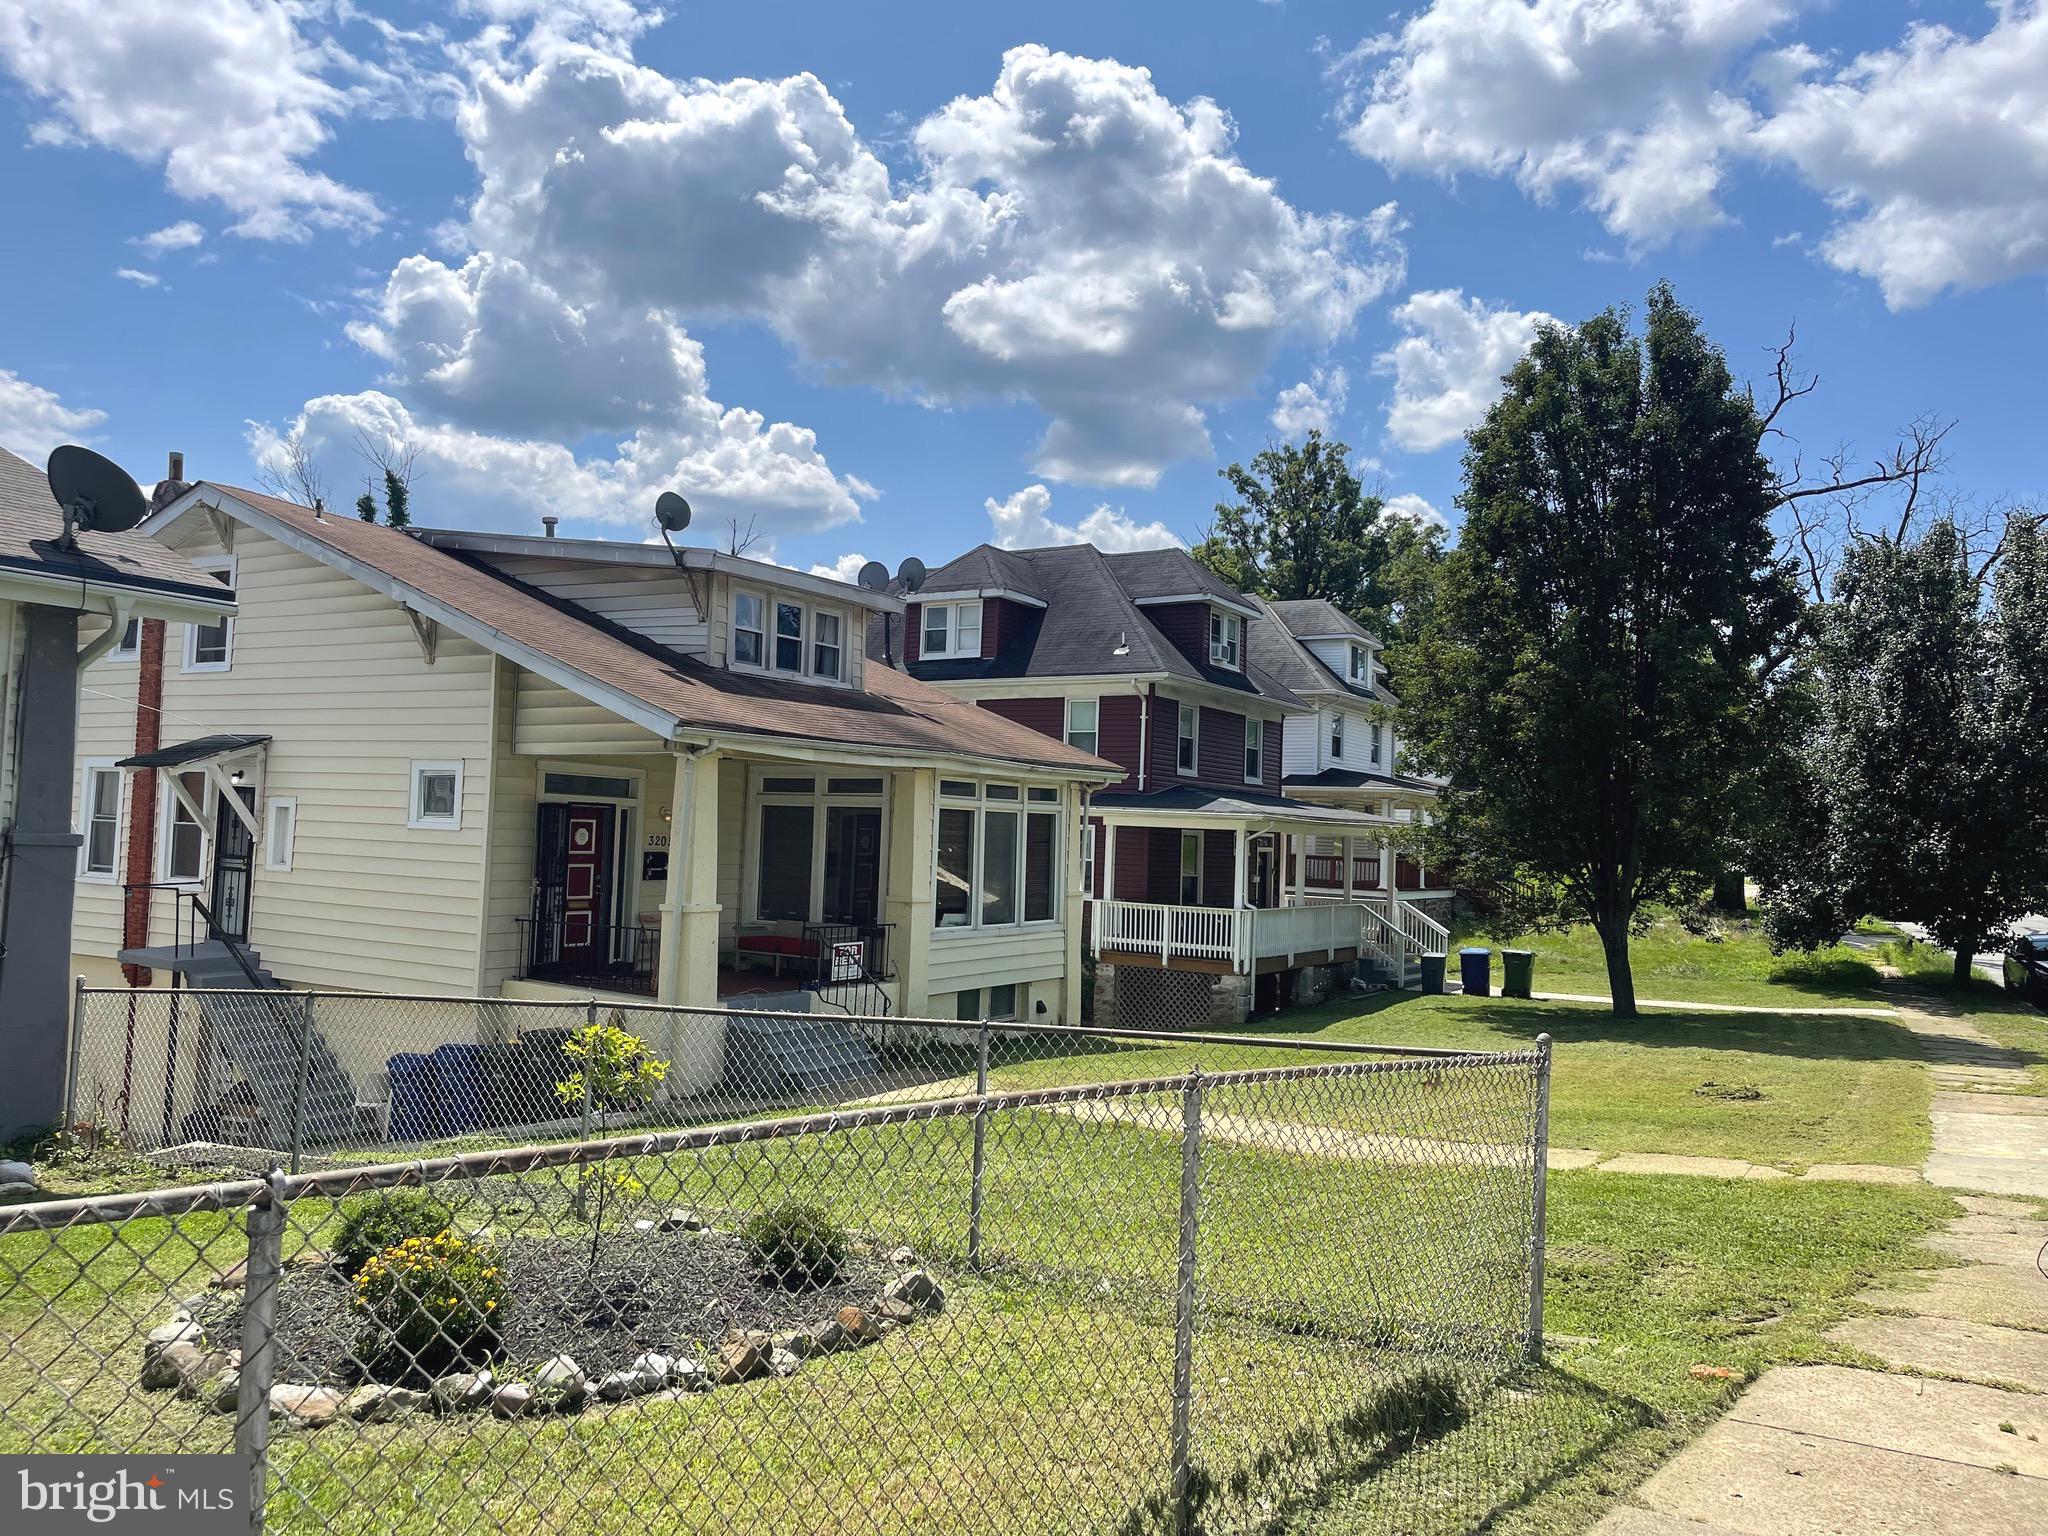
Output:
x,y
149,700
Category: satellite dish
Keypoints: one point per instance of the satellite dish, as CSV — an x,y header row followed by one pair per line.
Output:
x,y
911,573
672,512
96,493
874,576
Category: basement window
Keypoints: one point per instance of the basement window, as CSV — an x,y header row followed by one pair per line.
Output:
x,y
436,797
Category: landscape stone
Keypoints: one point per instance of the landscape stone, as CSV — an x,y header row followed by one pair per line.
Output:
x,y
197,1375
855,1324
511,1400
226,1395
299,1403
460,1391
891,1309
744,1355
917,1288
828,1336
165,1367
783,1363
617,1386
653,1370
800,1342
374,1403
14,1171
561,1384
903,1255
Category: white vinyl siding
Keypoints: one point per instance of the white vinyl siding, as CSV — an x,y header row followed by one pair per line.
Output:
x,y
649,601
333,673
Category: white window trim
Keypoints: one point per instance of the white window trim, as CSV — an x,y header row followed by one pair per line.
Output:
x,y
1025,808
212,564
87,768
421,823
763,630
1192,714
277,851
1336,735
1254,747
166,821
770,599
1230,651
1094,731
820,799
123,651
953,611
1378,732
1180,868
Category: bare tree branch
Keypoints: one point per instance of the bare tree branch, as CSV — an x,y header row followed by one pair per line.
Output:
x,y
292,474
740,541
394,457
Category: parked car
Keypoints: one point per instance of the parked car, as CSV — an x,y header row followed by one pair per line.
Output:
x,y
2026,967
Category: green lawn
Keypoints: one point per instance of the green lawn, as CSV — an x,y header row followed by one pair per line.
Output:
x,y
1827,1090
2005,1018
1735,967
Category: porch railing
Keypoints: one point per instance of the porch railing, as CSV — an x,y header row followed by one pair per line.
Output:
x,y
192,924
1422,933
570,952
1326,871
842,953
1236,937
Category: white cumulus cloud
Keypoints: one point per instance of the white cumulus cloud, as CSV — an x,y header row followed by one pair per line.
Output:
x,y
139,278
1447,368
1024,521
181,236
1415,509
33,420
1313,405
845,568
1935,152
1071,237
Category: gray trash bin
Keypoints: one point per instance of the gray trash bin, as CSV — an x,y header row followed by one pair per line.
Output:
x,y
1475,970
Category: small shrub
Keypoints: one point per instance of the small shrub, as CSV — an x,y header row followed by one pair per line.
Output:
x,y
798,1246
370,1224
428,1304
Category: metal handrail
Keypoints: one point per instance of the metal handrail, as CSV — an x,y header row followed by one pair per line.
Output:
x,y
184,895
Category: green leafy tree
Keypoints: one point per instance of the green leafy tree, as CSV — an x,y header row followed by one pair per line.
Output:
x,y
397,499
1302,526
615,1070
1590,674
366,506
1922,790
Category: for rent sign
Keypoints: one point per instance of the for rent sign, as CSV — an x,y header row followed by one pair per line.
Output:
x,y
138,1495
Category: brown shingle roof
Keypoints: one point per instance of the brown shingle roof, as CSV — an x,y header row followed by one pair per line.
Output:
x,y
891,712
31,521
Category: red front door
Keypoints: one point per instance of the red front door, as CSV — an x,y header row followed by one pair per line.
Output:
x,y
586,894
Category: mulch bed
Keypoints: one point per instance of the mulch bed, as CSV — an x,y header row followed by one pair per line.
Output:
x,y
665,1292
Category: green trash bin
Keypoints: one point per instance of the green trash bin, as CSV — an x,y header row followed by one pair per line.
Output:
x,y
1518,972
1433,975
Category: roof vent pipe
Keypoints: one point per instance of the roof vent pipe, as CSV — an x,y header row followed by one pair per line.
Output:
x,y
548,523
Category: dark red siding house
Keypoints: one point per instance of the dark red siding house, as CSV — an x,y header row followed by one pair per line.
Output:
x,y
1146,659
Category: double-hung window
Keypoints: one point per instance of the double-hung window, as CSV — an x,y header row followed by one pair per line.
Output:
x,y
749,629
1191,869
1337,735
951,629
1226,635
789,635
211,647
998,855
1378,727
1254,751
184,837
1361,665
1083,720
1187,749
827,649
99,814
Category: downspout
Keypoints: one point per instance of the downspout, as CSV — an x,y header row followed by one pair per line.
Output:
x,y
1144,692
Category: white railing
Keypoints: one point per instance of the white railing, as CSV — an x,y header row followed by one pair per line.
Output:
x,y
1148,928
1223,935
1420,933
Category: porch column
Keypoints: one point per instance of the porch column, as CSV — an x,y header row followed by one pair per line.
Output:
x,y
1105,851
1238,842
913,867
1387,881
689,912
1072,912
1347,866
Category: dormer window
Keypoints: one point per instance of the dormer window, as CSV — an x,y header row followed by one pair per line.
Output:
x,y
1361,665
1226,638
951,629
787,635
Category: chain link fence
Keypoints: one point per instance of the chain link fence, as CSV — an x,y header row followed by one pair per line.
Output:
x,y
215,1078
1166,1302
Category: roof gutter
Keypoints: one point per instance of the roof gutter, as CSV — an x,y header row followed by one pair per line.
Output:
x,y
811,751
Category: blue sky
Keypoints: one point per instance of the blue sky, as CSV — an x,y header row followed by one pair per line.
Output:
x,y
895,281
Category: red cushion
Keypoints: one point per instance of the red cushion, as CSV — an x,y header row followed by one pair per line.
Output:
x,y
771,944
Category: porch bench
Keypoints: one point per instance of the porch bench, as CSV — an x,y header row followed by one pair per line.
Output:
x,y
775,948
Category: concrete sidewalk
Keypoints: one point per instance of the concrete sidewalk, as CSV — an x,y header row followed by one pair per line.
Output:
x,y
1950,1433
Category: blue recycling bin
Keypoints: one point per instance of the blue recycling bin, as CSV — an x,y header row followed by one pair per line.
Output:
x,y
415,1115
459,1087
1475,971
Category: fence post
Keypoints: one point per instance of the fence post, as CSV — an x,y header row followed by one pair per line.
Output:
x,y
974,1193
299,1084
265,1265
589,1072
1184,1300
1540,1165
77,1050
